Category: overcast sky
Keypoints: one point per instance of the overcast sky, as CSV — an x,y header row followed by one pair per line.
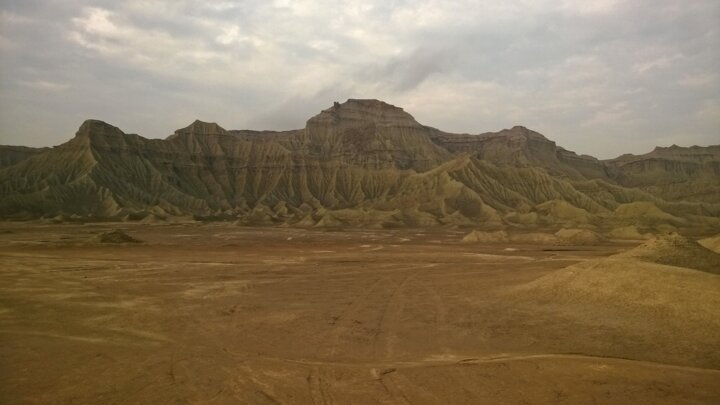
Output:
x,y
601,77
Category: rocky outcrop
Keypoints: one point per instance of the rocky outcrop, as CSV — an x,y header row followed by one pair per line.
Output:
x,y
373,135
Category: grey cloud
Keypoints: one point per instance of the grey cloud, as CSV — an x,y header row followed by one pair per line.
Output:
x,y
408,71
602,77
293,112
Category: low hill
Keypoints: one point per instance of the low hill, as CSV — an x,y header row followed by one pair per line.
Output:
x,y
644,293
676,250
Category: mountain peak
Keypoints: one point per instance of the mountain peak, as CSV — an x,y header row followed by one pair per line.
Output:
x,y
202,128
519,130
370,103
365,110
97,127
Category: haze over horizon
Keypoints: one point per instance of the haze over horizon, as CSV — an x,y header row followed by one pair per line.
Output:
x,y
598,77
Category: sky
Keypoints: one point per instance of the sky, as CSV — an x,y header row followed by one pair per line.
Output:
x,y
600,77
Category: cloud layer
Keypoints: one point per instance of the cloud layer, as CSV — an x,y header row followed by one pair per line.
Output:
x,y
601,77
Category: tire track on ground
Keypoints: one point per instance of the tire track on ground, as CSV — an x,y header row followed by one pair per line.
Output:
x,y
391,389
319,394
441,312
344,322
392,311
389,318
457,360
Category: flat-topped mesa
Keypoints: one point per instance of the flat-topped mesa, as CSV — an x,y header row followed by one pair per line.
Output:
x,y
691,153
514,146
674,152
202,128
372,134
515,136
356,112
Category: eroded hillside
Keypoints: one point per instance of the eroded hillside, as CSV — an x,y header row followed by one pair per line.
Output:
x,y
359,163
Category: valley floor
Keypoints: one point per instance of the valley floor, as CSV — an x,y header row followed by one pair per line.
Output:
x,y
218,314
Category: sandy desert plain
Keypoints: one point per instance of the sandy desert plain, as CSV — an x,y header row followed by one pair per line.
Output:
x,y
216,313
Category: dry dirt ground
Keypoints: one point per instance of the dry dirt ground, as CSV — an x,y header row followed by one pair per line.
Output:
x,y
218,314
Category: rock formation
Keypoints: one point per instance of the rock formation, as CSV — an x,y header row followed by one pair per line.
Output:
x,y
673,173
359,163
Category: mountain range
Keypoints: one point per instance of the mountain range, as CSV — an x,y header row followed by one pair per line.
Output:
x,y
358,163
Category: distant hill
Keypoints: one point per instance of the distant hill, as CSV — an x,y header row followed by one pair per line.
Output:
x,y
673,173
359,163
9,155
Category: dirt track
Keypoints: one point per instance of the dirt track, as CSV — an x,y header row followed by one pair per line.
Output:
x,y
222,314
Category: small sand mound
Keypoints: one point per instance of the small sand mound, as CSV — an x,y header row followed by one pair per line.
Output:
x,y
712,243
672,304
684,298
152,219
562,211
629,232
538,238
579,236
117,236
675,250
328,221
486,237
528,218
305,221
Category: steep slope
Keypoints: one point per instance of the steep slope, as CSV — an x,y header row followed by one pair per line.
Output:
x,y
59,177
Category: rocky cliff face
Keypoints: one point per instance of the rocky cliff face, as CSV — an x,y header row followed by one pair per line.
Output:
x,y
374,135
360,163
673,173
521,147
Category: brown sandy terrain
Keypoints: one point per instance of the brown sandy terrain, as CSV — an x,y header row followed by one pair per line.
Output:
x,y
218,314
